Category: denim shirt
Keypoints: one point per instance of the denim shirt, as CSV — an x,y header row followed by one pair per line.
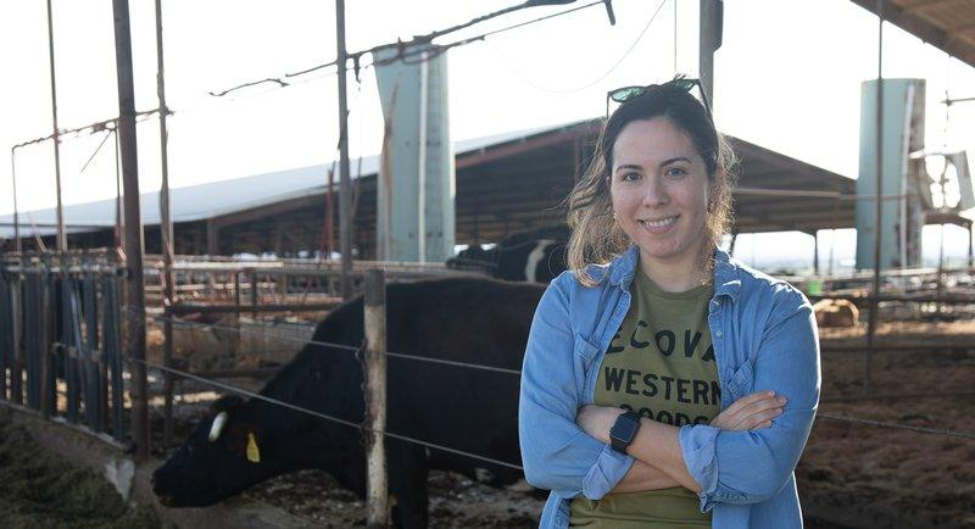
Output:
x,y
765,338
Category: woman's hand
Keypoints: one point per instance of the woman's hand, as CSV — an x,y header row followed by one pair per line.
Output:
x,y
751,412
597,421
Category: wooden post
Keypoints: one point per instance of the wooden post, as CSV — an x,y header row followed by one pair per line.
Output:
x,y
375,395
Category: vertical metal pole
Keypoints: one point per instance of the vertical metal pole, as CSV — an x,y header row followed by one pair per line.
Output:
x,y
62,242
345,188
832,245
254,292
941,263
878,201
13,177
711,15
330,216
166,227
970,246
375,396
240,341
135,313
815,235
119,222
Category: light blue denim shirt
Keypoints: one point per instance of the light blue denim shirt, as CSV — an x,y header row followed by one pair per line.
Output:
x,y
764,336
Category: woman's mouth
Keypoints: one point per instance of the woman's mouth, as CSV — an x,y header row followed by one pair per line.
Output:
x,y
657,226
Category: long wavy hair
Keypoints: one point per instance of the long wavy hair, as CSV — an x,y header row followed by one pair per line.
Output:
x,y
596,236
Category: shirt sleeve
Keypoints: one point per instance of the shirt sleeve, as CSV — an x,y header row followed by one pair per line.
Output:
x,y
558,455
744,467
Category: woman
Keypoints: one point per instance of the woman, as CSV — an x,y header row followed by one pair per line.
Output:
x,y
665,384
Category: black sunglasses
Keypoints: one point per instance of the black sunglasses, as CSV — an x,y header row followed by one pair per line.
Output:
x,y
622,95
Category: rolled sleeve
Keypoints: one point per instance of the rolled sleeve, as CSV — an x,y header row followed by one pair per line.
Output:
x,y
557,455
744,467
606,473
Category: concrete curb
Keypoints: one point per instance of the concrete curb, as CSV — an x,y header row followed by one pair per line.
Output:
x,y
133,480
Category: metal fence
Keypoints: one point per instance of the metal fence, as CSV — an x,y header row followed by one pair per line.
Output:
x,y
61,341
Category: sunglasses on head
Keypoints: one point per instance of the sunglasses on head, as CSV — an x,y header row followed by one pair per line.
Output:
x,y
624,94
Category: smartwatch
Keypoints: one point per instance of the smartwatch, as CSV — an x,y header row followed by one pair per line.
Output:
x,y
624,430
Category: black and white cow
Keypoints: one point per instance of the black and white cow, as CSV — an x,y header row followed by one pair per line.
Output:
x,y
472,320
535,256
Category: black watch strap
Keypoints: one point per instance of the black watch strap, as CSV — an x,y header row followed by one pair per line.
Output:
x,y
624,430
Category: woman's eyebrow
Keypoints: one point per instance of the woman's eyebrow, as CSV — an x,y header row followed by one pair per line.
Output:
x,y
673,160
629,166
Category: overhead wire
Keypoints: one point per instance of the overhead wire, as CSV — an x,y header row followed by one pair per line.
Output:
x,y
598,79
402,53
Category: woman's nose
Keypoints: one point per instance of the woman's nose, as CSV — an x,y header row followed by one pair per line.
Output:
x,y
654,193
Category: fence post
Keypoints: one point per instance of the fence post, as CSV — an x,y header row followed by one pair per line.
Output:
x,y
375,395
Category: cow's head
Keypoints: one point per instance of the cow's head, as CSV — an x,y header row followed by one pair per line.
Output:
x,y
226,453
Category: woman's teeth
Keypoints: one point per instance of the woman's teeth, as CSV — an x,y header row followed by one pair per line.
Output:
x,y
659,223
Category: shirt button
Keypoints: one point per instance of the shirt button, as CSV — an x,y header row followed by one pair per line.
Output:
x,y
718,333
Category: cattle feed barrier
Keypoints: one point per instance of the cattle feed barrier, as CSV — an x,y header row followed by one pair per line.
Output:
x,y
352,349
60,342
270,400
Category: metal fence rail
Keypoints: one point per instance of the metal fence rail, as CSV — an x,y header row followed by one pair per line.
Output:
x,y
431,359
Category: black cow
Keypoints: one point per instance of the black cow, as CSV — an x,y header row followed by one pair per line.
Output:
x,y
471,320
535,256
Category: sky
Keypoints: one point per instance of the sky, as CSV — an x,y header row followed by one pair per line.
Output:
x,y
787,77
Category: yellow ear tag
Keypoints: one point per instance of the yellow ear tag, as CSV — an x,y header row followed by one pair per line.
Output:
x,y
253,452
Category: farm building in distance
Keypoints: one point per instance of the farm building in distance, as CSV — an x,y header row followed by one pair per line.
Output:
x,y
505,184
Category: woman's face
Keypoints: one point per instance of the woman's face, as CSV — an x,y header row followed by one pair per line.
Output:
x,y
659,187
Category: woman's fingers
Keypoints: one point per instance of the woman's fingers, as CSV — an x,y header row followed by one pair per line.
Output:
x,y
755,421
762,405
751,411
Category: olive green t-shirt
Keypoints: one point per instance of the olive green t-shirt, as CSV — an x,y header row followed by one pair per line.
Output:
x,y
661,364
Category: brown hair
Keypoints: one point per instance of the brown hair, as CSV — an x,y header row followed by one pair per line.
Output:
x,y
596,237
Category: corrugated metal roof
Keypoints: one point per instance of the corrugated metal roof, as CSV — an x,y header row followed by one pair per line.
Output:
x,y
947,24
214,199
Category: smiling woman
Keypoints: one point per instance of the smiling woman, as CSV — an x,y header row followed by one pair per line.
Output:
x,y
626,424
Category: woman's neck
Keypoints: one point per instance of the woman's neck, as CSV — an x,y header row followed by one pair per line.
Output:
x,y
678,275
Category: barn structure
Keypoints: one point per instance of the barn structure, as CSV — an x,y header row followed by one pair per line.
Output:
x,y
505,184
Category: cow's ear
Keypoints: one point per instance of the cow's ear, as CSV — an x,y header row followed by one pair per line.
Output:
x,y
228,403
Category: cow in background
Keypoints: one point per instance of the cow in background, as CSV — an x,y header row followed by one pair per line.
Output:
x,y
836,313
474,320
535,256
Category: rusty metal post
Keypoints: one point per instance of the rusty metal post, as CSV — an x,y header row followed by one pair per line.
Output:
x,y
345,187
374,368
166,227
135,310
62,241
875,305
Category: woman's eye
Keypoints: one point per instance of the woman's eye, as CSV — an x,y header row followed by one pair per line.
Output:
x,y
676,171
631,177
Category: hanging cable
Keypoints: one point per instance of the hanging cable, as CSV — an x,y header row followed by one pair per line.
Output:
x,y
355,56
598,79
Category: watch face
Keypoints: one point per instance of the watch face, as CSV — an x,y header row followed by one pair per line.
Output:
x,y
625,428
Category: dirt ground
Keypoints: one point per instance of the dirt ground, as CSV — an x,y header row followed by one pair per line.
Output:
x,y
881,477
39,490
850,476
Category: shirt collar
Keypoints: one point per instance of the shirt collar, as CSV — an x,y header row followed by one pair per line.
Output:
x,y
727,281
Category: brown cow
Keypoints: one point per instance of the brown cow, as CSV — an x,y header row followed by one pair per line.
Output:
x,y
836,313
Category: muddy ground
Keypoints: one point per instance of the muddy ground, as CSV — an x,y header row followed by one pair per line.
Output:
x,y
39,490
850,476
